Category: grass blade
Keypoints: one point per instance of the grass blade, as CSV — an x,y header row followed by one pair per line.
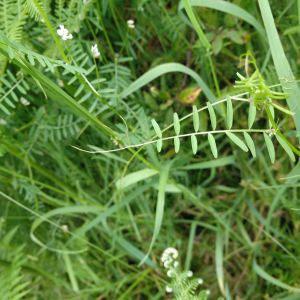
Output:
x,y
196,25
164,69
159,207
212,144
219,260
229,8
262,273
270,147
281,63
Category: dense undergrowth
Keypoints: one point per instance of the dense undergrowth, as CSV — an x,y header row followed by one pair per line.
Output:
x,y
76,225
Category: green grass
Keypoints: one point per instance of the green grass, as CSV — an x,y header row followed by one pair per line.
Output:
x,y
78,225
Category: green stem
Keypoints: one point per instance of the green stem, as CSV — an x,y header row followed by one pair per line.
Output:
x,y
98,78
104,30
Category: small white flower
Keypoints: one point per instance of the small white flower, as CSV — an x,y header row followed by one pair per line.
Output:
x,y
2,122
95,51
67,37
42,20
142,9
63,32
200,281
24,101
271,132
130,24
65,228
169,289
60,82
189,273
207,292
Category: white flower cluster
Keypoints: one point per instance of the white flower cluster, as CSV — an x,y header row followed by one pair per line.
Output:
x,y
130,24
24,101
63,32
271,132
95,51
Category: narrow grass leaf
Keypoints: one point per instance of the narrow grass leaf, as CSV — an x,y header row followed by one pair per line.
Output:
x,y
283,69
159,145
229,8
189,251
212,115
229,112
286,147
219,260
177,144
251,114
212,144
70,272
156,128
250,143
196,118
135,177
196,25
215,163
237,141
159,207
111,210
194,143
164,69
176,124
262,273
270,147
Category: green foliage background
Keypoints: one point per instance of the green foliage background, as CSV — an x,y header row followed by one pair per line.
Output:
x,y
75,225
